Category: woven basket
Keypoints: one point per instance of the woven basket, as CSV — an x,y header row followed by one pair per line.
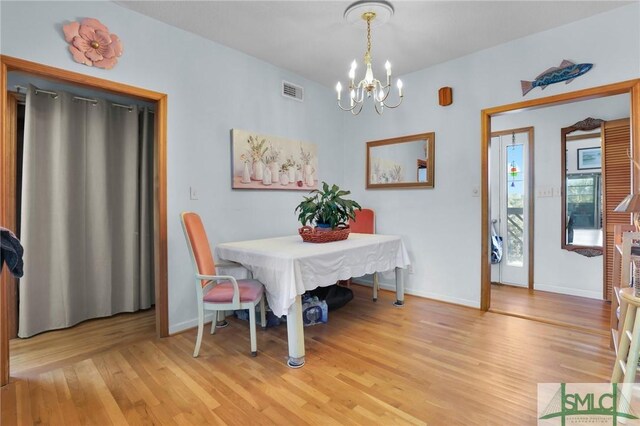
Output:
x,y
311,235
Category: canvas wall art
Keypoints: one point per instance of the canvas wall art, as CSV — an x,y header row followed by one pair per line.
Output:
x,y
272,162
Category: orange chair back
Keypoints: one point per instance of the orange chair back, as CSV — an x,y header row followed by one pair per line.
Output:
x,y
365,222
199,243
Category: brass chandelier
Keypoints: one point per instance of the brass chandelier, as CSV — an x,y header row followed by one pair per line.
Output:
x,y
369,87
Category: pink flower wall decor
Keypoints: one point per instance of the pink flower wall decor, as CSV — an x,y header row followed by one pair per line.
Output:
x,y
92,44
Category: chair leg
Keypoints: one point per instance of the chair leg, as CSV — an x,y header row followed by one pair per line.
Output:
x,y
624,345
214,321
634,352
252,330
222,320
632,358
375,286
263,313
344,283
196,351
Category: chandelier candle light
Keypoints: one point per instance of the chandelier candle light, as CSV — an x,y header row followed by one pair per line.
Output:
x,y
370,86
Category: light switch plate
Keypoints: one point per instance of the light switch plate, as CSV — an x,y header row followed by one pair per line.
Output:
x,y
544,191
193,194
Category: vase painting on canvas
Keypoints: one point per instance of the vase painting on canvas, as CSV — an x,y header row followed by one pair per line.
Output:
x,y
272,162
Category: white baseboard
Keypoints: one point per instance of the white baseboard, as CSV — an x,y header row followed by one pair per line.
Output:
x,y
570,291
426,294
185,325
513,285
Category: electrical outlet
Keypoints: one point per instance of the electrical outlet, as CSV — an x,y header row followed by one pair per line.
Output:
x,y
410,269
193,194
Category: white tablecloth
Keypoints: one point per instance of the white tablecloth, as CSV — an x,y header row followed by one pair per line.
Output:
x,y
288,267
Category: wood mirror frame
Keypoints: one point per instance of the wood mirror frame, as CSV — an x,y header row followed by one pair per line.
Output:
x,y
585,125
420,163
631,87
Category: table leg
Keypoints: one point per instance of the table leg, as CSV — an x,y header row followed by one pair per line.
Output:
x,y
399,287
376,285
295,334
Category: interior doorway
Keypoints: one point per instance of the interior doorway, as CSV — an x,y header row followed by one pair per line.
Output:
x,y
512,209
568,204
92,177
631,88
8,187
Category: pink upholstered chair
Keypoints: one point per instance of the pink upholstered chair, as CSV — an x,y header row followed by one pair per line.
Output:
x,y
365,223
219,292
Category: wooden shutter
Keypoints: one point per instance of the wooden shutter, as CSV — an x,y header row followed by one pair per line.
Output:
x,y
616,184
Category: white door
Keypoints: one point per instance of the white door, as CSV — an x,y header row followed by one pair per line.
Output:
x,y
513,219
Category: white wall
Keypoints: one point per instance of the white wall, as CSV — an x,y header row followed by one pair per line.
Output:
x,y
211,89
441,227
555,269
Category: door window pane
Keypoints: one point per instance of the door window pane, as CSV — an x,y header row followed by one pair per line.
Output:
x,y
515,205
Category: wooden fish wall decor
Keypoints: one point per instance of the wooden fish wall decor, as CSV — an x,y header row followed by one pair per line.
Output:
x,y
567,71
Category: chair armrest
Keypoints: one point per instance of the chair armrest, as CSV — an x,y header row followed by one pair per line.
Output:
x,y
216,278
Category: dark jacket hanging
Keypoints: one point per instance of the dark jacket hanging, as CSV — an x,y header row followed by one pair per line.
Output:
x,y
11,252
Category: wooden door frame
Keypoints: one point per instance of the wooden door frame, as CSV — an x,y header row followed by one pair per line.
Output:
x,y
10,221
7,174
530,189
631,87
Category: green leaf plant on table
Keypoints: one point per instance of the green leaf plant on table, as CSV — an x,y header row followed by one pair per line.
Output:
x,y
326,208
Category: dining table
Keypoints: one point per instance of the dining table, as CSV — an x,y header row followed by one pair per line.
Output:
x,y
288,267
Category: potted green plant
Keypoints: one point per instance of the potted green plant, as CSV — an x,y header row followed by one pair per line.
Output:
x,y
326,208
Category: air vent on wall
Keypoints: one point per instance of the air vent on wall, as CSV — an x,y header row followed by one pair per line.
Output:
x,y
290,90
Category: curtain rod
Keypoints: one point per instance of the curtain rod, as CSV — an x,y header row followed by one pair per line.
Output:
x,y
54,95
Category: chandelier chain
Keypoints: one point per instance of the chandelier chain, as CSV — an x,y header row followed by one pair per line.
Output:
x,y
369,36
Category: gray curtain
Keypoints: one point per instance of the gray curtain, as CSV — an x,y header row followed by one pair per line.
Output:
x,y
86,222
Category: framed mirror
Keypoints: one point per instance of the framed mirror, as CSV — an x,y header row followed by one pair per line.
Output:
x,y
582,187
404,162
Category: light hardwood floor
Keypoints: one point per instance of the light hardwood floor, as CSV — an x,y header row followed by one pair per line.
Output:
x,y
590,315
428,362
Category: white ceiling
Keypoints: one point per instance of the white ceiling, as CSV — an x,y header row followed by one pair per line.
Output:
x,y
312,39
